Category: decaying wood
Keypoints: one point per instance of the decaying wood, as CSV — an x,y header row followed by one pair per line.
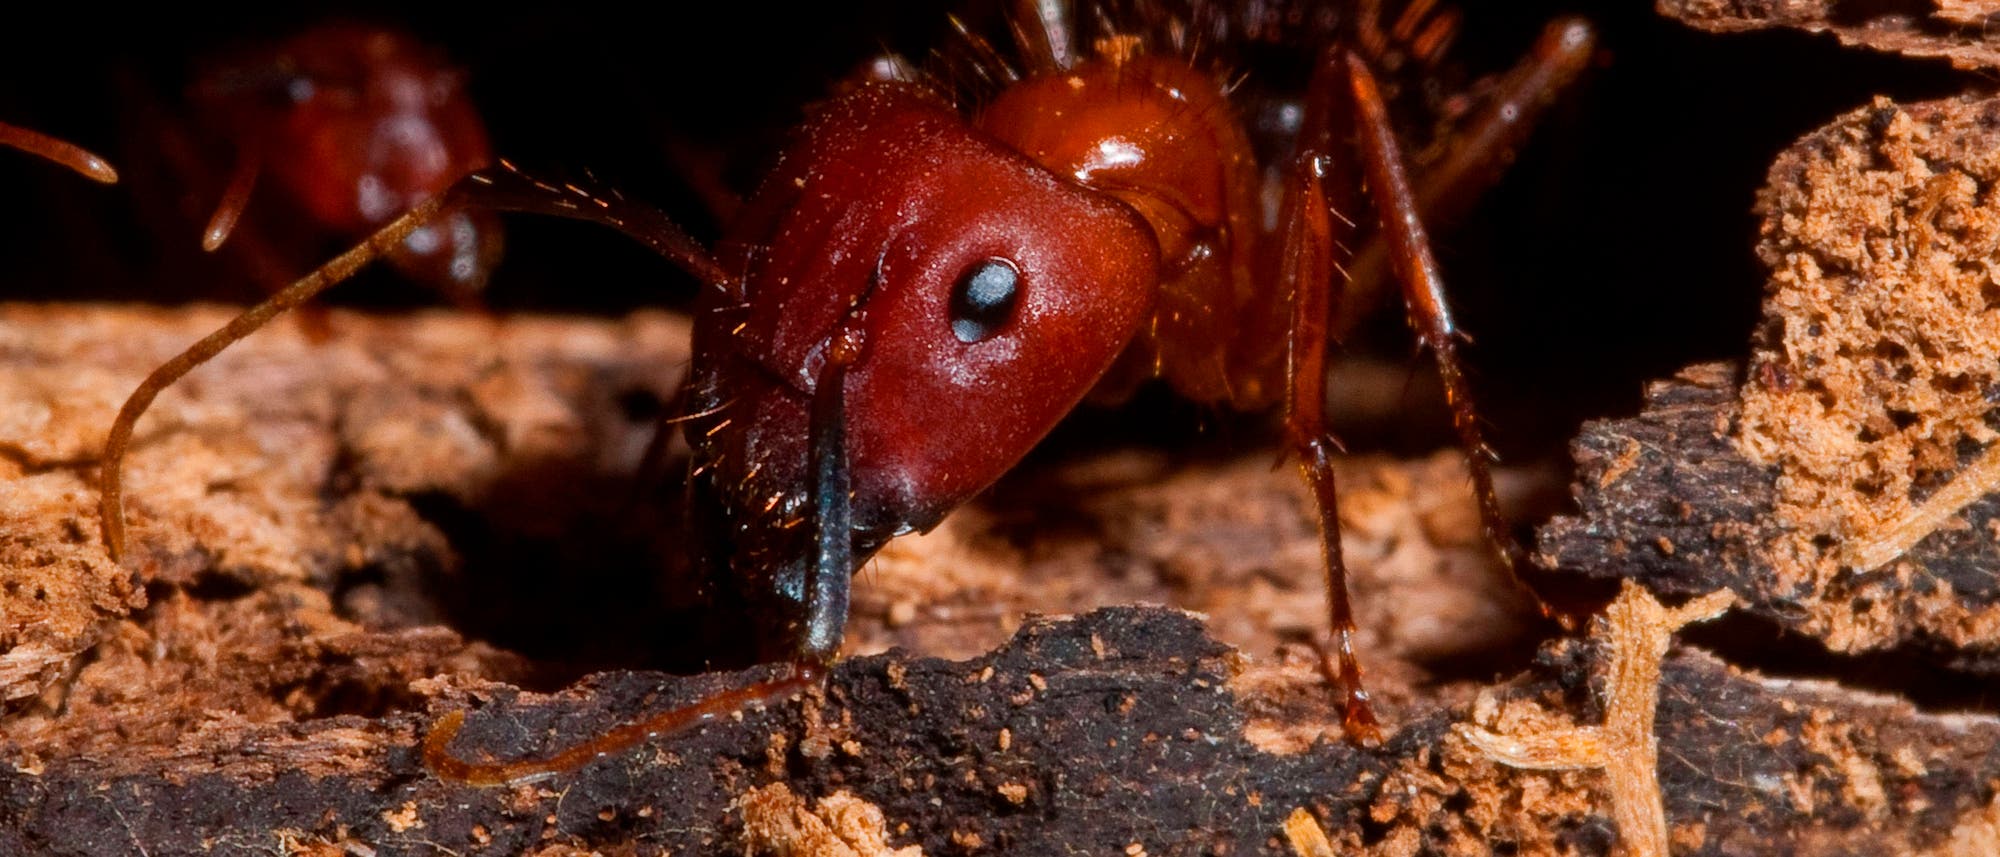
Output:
x,y
321,525
1636,632
1961,31
1112,732
271,698
1840,487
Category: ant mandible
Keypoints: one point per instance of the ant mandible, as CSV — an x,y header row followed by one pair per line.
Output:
x,y
915,296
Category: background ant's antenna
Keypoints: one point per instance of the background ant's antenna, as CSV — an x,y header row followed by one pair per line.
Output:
x,y
67,154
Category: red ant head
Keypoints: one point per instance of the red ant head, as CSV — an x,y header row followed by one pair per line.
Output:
x,y
989,295
359,124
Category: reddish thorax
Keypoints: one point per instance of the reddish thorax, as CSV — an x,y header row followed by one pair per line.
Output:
x,y
1158,135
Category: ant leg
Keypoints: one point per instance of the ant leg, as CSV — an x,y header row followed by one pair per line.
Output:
x,y
1310,234
67,154
1483,148
1423,293
439,759
1479,152
502,187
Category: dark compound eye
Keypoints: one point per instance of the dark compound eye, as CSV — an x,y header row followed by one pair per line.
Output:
x,y
983,299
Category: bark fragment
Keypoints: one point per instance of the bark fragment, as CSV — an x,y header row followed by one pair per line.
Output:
x,y
1960,31
1636,631
1842,489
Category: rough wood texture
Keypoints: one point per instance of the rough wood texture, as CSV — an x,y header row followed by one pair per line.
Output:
x,y
320,525
1666,499
1839,488
270,699
1960,31
1088,736
276,500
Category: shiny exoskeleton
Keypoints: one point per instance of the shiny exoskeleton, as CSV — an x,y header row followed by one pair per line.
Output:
x,y
927,281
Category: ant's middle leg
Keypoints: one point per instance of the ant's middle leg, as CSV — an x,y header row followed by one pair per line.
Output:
x,y
1423,293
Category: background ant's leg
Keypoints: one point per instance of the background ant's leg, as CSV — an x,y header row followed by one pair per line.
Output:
x,y
67,154
1480,151
1310,234
1423,293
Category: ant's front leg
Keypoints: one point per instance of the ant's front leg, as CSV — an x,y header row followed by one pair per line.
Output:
x,y
1311,229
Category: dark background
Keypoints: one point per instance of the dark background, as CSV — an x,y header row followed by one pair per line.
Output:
x,y
1617,249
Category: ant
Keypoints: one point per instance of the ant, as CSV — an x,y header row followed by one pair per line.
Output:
x,y
920,289
352,124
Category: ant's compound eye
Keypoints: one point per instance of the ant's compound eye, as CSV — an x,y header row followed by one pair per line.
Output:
x,y
983,299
